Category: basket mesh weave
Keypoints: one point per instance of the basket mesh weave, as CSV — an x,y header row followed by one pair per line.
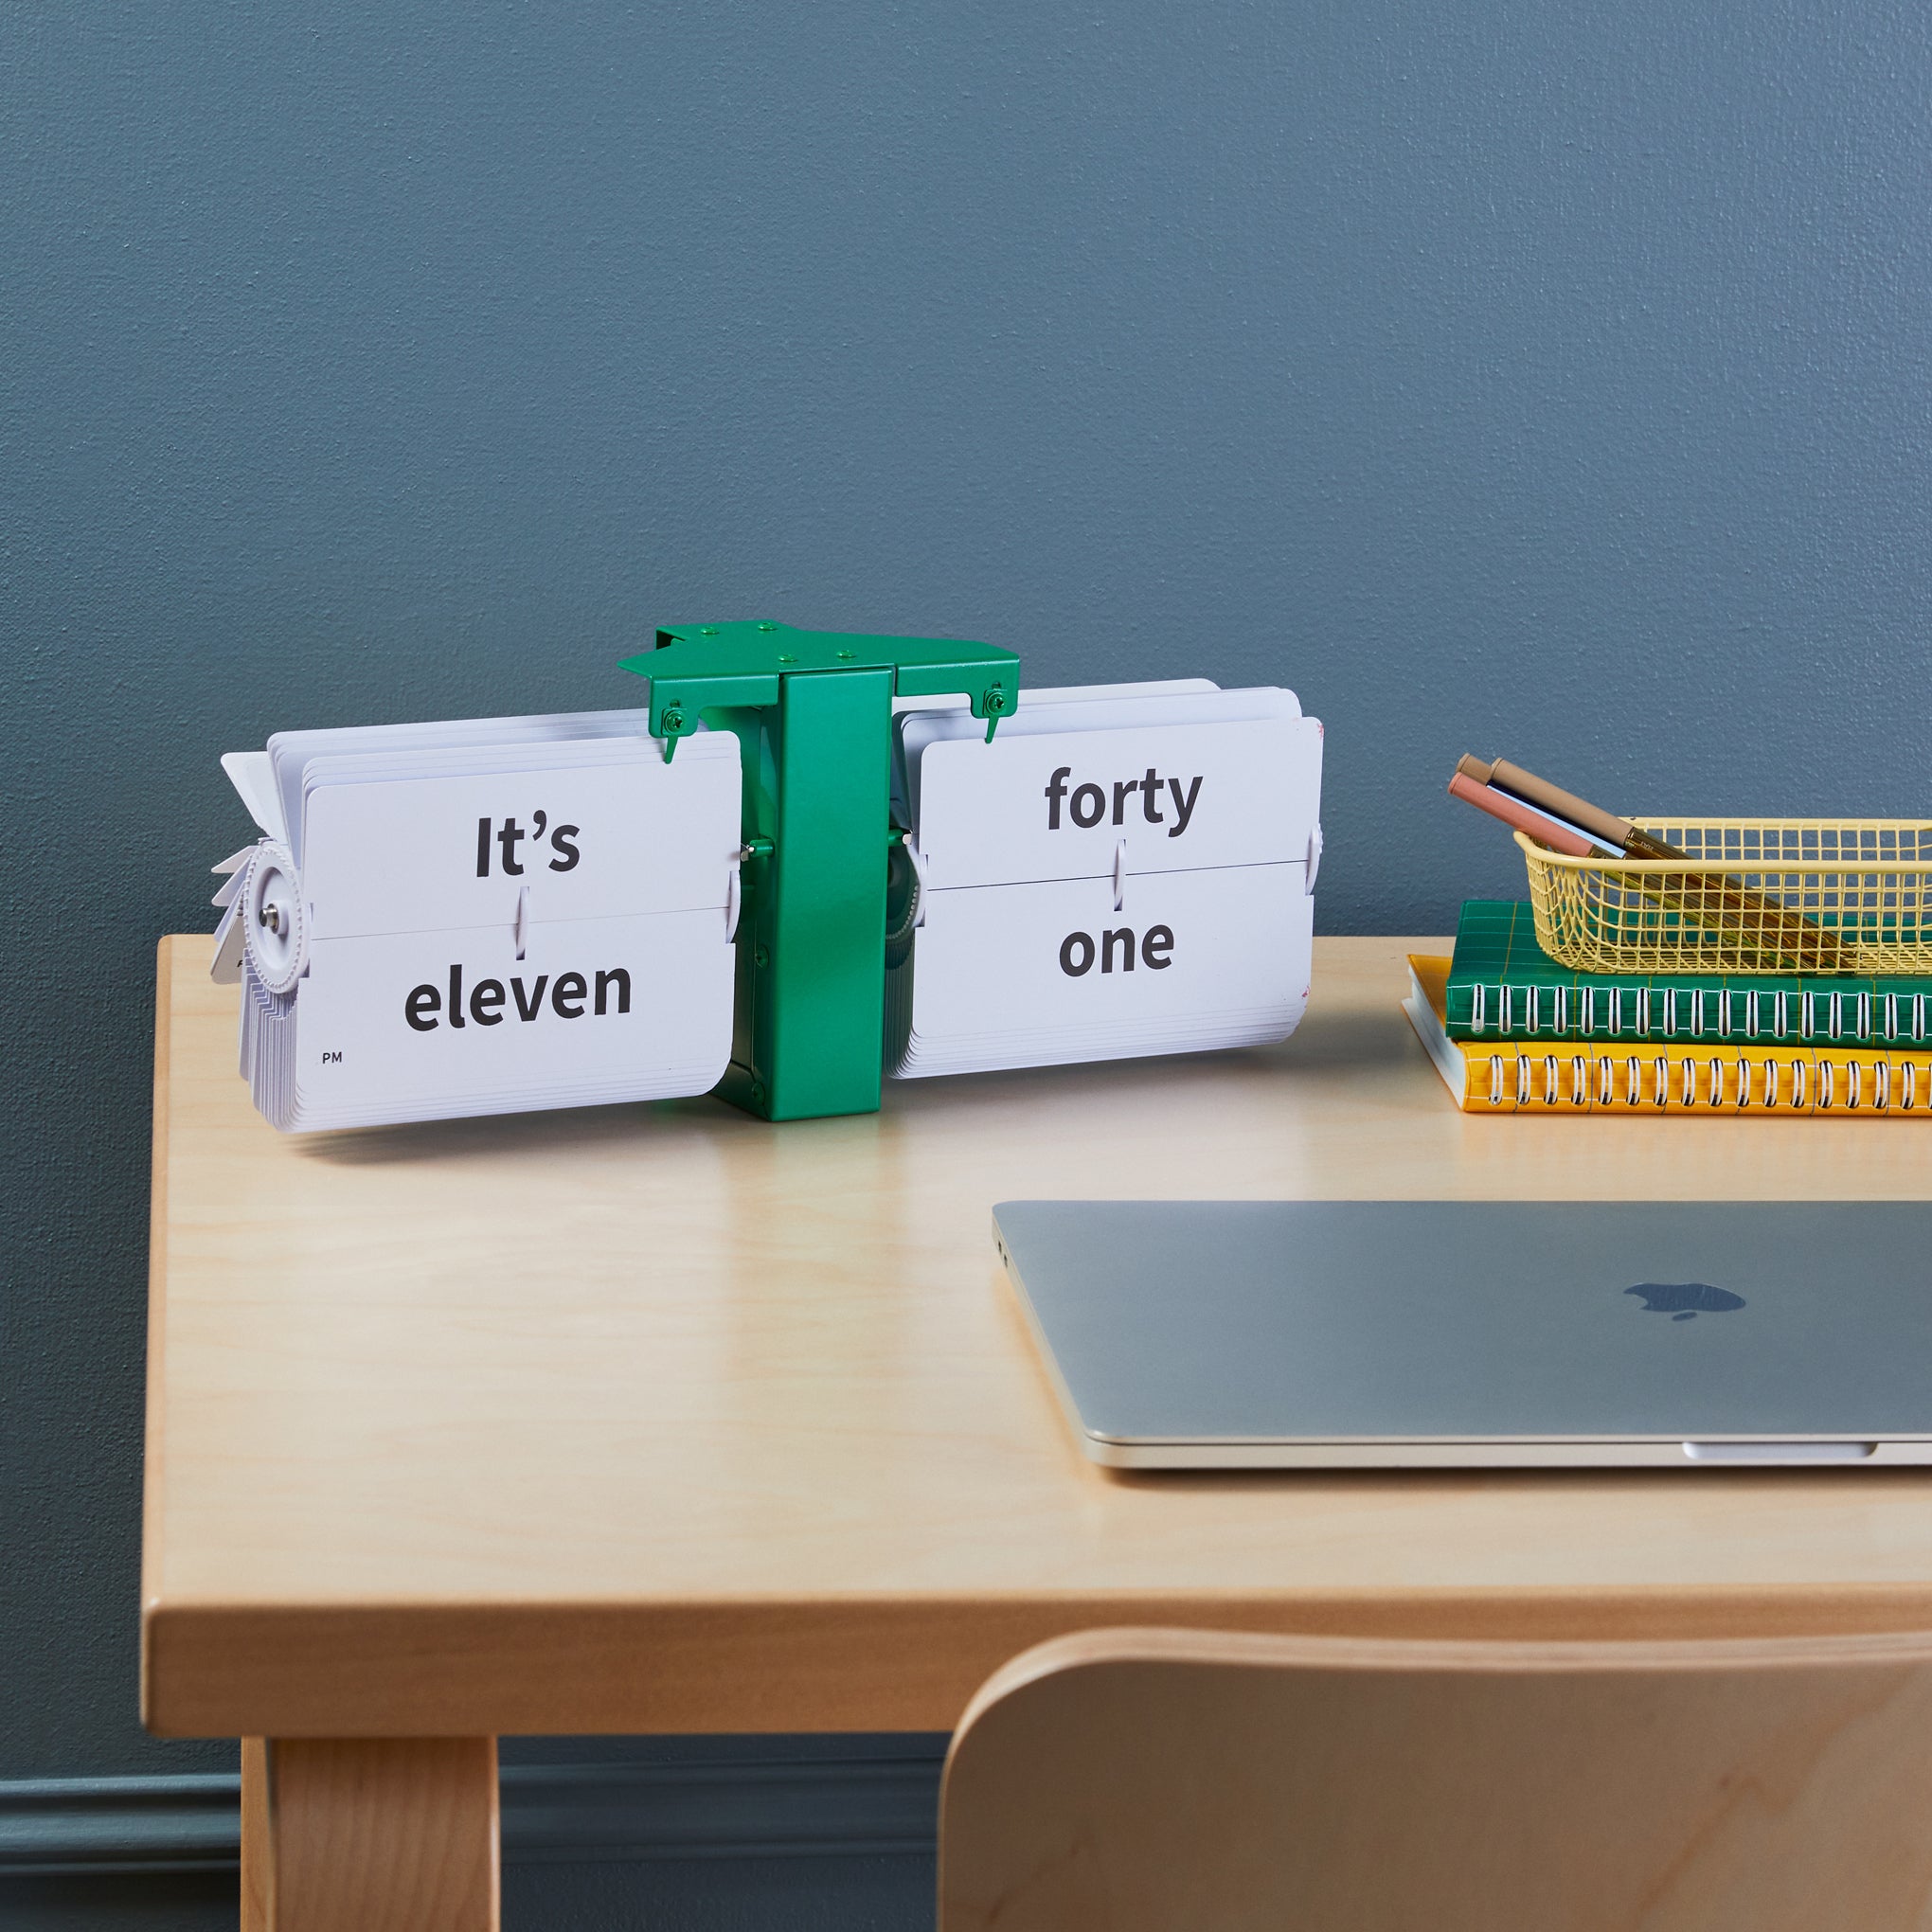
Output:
x,y
1762,895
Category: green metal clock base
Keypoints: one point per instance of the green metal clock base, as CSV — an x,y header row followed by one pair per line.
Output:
x,y
813,712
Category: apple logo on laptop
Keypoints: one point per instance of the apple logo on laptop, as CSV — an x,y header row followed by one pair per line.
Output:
x,y
1685,1301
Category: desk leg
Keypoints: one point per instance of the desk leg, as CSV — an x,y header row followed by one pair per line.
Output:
x,y
257,1891
368,1835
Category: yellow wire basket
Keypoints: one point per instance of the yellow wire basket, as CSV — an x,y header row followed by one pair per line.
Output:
x,y
1758,895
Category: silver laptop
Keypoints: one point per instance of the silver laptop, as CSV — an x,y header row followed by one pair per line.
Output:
x,y
1338,1334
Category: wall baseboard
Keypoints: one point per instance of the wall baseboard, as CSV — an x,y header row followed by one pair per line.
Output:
x,y
613,1808
61,1827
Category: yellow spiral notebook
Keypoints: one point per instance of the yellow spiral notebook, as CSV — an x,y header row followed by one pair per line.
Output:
x,y
1572,1077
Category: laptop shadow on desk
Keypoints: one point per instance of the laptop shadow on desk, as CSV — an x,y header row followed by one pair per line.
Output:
x,y
1582,1482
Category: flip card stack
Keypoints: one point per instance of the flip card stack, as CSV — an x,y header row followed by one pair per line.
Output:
x,y
489,915
1125,871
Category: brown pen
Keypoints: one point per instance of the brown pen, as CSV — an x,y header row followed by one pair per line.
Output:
x,y
1791,938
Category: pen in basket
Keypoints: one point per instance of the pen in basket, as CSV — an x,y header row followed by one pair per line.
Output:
x,y
1786,939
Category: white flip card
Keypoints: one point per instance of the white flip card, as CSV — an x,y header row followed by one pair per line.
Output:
x,y
1114,875
487,916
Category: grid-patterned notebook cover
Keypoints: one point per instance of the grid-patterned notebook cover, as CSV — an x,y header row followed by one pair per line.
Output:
x,y
1503,986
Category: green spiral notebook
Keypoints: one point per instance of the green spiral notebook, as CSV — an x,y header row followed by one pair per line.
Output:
x,y
1504,985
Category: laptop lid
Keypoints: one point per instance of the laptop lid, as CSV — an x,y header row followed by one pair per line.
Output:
x,y
1367,1333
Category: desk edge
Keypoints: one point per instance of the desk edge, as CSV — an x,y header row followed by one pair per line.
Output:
x,y
443,1669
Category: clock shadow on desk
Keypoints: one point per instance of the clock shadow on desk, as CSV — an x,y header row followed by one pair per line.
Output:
x,y
639,1123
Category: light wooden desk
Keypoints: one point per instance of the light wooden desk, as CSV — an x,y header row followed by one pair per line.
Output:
x,y
659,1419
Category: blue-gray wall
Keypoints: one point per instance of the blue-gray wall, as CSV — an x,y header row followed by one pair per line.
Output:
x,y
1504,376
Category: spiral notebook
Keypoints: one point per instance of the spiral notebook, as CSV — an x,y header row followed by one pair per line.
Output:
x,y
1503,985
1655,1077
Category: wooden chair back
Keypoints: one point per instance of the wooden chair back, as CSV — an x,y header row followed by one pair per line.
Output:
x,y
1146,1780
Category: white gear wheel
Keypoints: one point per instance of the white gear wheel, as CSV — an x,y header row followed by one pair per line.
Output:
x,y
275,932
